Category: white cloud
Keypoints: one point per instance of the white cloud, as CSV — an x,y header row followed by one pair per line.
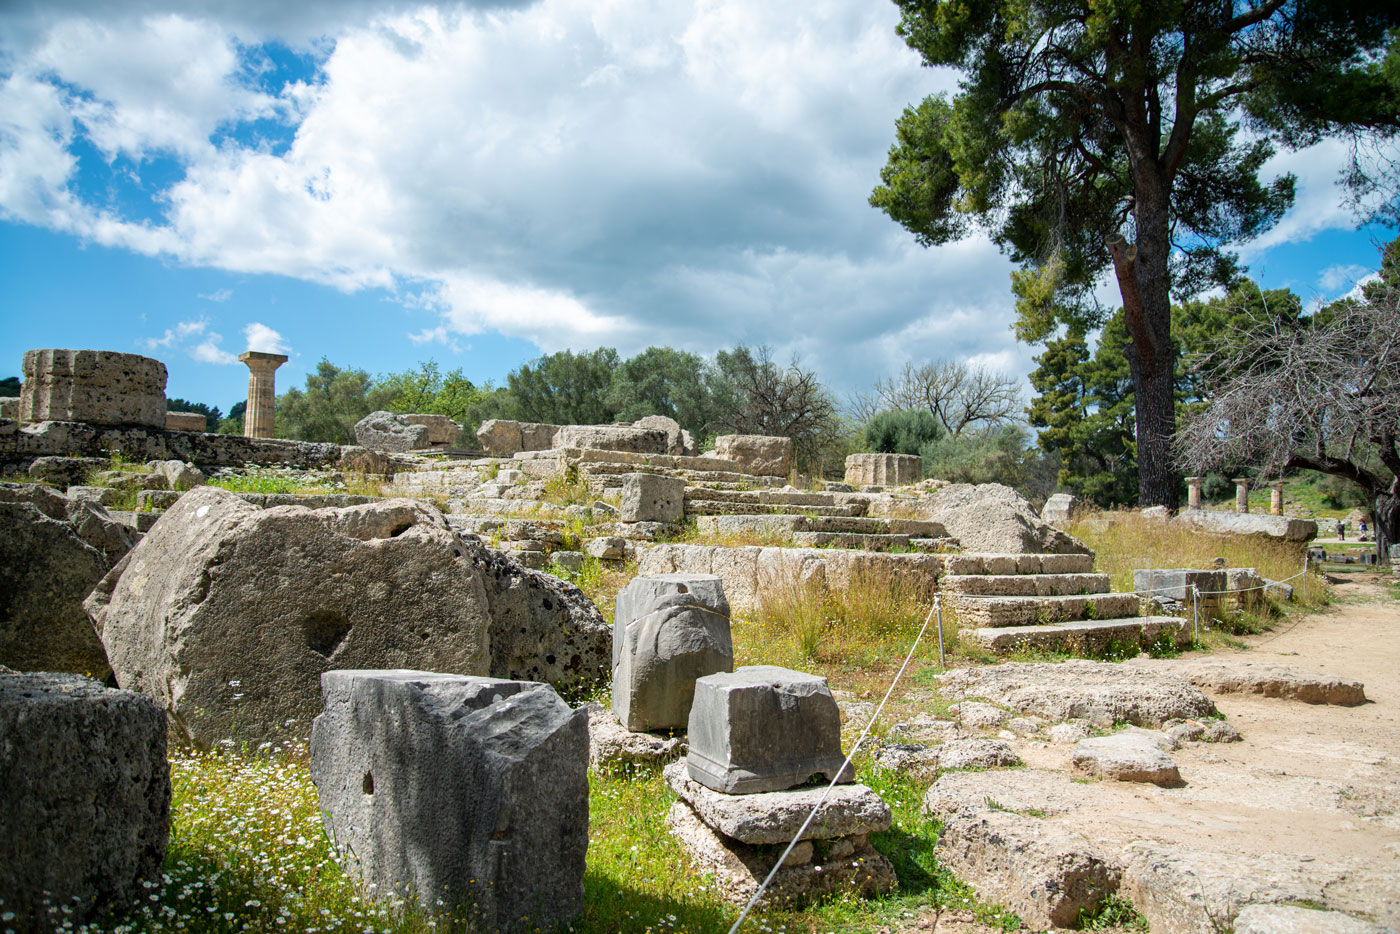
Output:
x,y
209,351
260,337
1341,278
177,335
220,295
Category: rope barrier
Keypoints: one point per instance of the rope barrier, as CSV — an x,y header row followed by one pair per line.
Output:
x,y
844,766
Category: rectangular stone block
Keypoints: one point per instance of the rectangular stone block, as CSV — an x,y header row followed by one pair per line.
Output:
x,y
98,387
884,469
762,455
764,728
652,498
467,795
185,421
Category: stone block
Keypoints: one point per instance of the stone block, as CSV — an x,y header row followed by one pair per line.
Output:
x,y
387,431
178,475
1062,509
502,437
98,387
764,728
472,791
611,746
678,441
1126,757
1178,583
1248,523
185,421
761,455
86,805
884,469
570,561
650,497
606,548
611,438
65,471
668,631
1291,919
441,429
9,407
776,816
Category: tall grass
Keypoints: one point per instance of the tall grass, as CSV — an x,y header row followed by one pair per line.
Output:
x,y
1127,541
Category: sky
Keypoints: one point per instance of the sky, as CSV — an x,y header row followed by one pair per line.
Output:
x,y
381,183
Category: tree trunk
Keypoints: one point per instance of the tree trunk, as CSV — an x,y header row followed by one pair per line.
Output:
x,y
1385,506
1151,357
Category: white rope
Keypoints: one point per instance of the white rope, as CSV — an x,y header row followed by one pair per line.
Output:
x,y
839,772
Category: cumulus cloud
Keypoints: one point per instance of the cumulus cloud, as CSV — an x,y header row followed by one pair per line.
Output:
x,y
1341,278
259,337
177,335
570,172
209,351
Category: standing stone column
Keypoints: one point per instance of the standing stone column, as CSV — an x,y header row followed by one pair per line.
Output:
x,y
1193,492
1241,494
1276,498
257,418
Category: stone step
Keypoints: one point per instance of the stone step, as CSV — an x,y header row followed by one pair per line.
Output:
x,y
611,470
590,459
852,540
1024,585
1000,612
1082,637
710,507
789,523
991,563
779,497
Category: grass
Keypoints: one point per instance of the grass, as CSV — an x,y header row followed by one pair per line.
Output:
x,y
270,480
248,853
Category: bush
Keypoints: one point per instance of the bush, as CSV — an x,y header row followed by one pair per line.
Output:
x,y
901,431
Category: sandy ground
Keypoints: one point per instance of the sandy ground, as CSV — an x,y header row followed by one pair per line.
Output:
x,y
1309,785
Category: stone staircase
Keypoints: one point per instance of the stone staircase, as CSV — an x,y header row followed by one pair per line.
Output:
x,y
1051,603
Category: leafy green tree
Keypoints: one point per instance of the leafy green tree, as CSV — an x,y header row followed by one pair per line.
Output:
x,y
328,408
1095,137
994,454
565,388
665,381
212,416
233,424
900,431
426,389
9,387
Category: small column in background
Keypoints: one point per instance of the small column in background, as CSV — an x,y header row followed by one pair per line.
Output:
x,y
1193,492
1241,494
1276,498
262,394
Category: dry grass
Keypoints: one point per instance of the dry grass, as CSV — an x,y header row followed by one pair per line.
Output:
x,y
762,538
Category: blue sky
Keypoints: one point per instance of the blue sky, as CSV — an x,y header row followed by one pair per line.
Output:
x,y
379,183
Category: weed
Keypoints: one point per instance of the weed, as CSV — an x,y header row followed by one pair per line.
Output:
x,y
1114,912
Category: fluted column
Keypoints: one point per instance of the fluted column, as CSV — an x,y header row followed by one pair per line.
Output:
x,y
262,392
1193,492
1241,494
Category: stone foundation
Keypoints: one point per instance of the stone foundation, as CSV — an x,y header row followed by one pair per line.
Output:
x,y
100,387
884,469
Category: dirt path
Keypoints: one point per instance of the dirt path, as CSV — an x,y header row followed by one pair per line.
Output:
x,y
1310,787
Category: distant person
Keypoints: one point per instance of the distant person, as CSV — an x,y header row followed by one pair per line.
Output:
x,y
1363,527
1341,531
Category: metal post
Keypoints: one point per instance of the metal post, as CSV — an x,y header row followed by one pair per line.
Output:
x,y
938,612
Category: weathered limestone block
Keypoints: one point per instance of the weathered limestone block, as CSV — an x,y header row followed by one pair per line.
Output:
x,y
255,603
86,802
441,429
668,631
388,431
1246,523
53,551
611,438
468,790
977,753
1043,872
678,441
178,475
65,471
648,497
884,469
1290,919
776,816
990,517
761,455
185,421
99,387
74,439
1126,757
1246,586
764,728
814,870
606,548
9,407
356,459
612,746
1283,681
503,437
1061,509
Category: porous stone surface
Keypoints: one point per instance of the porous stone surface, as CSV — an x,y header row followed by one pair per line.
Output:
x,y
254,604
1070,732
1282,681
1126,757
9,407
884,469
612,746
28,443
926,728
355,459
178,475
668,631
776,816
85,809
764,728
64,471
648,497
469,790
1291,919
990,517
185,421
812,872
1044,873
678,440
503,437
441,429
611,438
978,715
53,551
1248,523
1102,693
99,387
606,548
389,431
570,561
977,753
761,455
1061,509
1031,792
916,760
1220,731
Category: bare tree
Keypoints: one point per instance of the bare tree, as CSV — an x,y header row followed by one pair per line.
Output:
x,y
763,398
1322,395
957,395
